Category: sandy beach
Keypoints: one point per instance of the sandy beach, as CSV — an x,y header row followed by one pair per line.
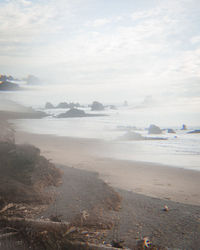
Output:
x,y
99,125
145,188
131,206
151,179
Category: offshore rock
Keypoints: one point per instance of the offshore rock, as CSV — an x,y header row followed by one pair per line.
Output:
x,y
49,105
72,113
63,105
197,131
170,131
132,136
97,106
153,129
184,127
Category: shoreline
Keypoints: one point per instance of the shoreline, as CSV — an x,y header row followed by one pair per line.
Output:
x,y
130,207
153,180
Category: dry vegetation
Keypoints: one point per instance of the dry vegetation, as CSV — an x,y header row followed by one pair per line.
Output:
x,y
24,181
25,178
25,173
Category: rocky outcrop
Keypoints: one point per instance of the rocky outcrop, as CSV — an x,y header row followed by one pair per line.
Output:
x,y
63,105
153,129
155,138
97,106
73,113
170,131
132,136
49,105
77,113
6,78
5,86
74,105
197,131
184,127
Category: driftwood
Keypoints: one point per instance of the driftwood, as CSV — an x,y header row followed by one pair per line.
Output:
x,y
7,235
44,227
37,224
8,206
37,233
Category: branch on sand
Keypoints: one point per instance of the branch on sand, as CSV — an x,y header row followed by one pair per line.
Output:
x,y
7,235
8,206
35,224
47,233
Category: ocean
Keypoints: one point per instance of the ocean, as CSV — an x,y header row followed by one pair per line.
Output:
x,y
179,150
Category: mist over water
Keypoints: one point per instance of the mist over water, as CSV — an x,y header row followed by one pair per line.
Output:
x,y
163,111
183,151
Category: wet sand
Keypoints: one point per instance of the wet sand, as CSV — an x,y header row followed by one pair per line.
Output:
x,y
154,180
138,216
144,188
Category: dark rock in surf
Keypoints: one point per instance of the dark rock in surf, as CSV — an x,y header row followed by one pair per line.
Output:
x,y
48,105
73,113
197,131
170,131
63,105
153,129
184,127
132,136
155,139
74,105
97,106
77,113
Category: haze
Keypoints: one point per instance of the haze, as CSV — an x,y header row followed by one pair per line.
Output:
x,y
117,49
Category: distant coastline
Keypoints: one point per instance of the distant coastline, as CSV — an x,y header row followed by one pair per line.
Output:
x,y
9,83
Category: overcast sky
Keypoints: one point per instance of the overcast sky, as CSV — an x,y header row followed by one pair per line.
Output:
x,y
146,46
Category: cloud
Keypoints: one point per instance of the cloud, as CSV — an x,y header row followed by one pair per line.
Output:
x,y
20,20
195,39
101,22
148,49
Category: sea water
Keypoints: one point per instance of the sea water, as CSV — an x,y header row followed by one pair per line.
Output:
x,y
180,149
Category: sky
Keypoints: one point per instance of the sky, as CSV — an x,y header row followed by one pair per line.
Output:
x,y
118,48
